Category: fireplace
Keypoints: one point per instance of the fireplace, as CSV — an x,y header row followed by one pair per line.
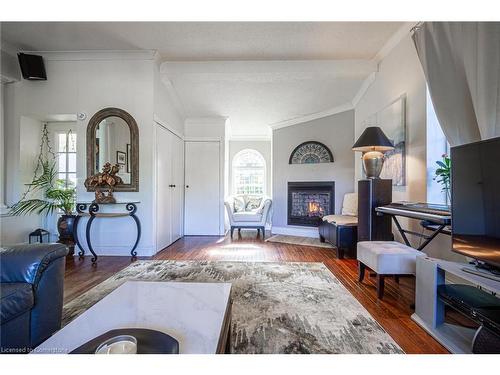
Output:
x,y
308,202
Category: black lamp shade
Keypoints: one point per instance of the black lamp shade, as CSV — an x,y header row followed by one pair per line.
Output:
x,y
373,139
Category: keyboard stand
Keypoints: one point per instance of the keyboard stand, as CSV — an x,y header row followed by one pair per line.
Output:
x,y
427,238
413,215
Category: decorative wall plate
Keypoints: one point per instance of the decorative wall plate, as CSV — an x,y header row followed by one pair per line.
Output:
x,y
311,152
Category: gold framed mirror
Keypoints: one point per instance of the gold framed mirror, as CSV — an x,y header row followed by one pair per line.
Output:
x,y
113,137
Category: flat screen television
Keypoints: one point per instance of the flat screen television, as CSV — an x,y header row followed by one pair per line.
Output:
x,y
475,201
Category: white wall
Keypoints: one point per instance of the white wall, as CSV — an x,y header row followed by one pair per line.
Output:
x,y
205,127
16,229
264,147
9,67
336,132
2,150
89,84
400,72
166,105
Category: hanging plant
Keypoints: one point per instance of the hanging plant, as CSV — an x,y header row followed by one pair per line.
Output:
x,y
443,175
56,193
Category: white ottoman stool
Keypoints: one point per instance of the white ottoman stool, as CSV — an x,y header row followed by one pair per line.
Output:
x,y
386,258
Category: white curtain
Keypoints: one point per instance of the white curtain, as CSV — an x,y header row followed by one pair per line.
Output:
x,y
461,62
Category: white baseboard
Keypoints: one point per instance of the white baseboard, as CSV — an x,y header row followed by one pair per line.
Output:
x,y
296,231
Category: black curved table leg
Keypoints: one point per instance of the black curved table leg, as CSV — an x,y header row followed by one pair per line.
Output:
x,y
94,207
80,208
132,208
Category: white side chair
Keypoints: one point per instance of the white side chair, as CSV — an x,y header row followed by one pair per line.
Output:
x,y
386,258
255,219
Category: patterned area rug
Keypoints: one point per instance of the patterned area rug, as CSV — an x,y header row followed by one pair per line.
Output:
x,y
296,240
277,307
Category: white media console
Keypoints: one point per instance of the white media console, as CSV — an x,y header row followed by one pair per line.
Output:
x,y
429,309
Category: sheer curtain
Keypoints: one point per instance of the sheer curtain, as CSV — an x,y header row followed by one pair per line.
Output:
x,y
461,62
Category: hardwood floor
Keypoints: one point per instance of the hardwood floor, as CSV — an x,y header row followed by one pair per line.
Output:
x,y
393,312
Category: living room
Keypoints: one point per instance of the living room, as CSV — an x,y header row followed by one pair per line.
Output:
x,y
288,184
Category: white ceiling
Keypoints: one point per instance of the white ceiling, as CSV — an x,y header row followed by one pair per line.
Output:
x,y
255,94
254,73
209,40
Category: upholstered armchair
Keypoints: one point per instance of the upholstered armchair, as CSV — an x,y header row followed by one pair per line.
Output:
x,y
31,294
245,211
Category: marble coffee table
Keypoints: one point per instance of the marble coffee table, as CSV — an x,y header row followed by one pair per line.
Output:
x,y
197,315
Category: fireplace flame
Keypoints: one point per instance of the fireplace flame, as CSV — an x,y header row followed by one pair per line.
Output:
x,y
314,208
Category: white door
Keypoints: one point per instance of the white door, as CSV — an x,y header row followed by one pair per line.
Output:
x,y
163,190
202,193
178,187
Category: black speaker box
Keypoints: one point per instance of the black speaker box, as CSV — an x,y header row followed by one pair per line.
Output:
x,y
32,67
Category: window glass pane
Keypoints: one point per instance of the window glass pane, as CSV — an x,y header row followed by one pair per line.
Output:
x,y
72,162
61,162
72,178
61,176
61,144
72,142
249,172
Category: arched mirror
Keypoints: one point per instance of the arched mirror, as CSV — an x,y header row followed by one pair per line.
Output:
x,y
113,137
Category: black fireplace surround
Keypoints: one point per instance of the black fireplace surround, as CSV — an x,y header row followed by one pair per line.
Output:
x,y
308,202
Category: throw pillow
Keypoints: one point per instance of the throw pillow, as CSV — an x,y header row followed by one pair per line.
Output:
x,y
253,203
350,205
239,204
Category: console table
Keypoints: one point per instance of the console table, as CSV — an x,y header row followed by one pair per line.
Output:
x,y
92,211
429,308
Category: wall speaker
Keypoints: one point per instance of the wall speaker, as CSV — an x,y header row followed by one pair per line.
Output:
x,y
32,67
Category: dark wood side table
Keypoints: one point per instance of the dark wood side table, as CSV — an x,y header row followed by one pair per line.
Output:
x,y
92,211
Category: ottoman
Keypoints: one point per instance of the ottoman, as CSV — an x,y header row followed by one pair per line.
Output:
x,y
386,258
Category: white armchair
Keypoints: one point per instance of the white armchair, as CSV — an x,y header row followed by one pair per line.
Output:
x,y
245,211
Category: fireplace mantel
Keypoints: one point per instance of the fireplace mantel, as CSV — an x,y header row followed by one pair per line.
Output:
x,y
309,201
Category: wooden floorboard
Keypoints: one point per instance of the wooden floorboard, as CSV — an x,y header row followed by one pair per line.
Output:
x,y
393,312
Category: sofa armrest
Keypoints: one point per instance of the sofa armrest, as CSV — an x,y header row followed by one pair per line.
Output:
x,y
267,202
26,263
229,210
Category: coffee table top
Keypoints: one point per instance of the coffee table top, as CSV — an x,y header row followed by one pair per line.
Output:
x,y
192,313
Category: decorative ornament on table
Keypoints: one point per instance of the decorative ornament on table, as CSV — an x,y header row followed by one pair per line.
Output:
x,y
104,183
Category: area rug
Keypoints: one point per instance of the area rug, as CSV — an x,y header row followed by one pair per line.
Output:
x,y
296,240
277,307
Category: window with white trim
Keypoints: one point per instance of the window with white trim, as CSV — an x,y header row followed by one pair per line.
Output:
x,y
66,157
436,146
249,173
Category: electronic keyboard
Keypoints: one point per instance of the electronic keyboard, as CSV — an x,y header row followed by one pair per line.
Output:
x,y
436,213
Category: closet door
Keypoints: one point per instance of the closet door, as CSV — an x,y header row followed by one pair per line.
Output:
x,y
202,193
178,188
163,190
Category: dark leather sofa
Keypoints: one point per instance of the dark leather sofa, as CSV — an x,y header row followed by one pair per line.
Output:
x,y
31,293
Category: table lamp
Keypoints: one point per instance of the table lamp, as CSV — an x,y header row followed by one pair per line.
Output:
x,y
373,143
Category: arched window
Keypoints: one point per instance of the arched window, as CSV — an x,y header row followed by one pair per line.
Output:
x,y
249,173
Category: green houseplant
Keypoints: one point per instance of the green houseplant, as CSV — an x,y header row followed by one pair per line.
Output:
x,y
443,175
54,194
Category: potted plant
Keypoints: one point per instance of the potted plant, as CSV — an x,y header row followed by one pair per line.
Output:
x,y
56,195
443,175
